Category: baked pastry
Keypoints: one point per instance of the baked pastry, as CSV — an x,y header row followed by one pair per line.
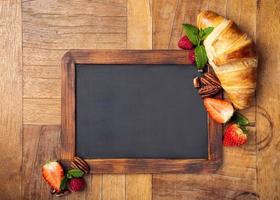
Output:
x,y
231,54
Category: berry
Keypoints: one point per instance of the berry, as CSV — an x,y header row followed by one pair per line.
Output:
x,y
234,136
185,43
192,57
219,110
53,173
76,184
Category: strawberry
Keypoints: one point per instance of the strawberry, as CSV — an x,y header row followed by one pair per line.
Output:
x,y
185,43
76,184
234,136
53,173
218,109
192,56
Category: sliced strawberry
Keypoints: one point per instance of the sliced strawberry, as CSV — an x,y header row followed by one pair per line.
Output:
x,y
234,136
218,109
53,173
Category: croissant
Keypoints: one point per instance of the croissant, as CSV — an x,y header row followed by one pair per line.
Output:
x,y
232,57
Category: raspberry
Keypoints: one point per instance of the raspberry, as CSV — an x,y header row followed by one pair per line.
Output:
x,y
185,43
76,184
192,57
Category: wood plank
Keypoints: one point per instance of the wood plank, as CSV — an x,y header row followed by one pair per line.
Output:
x,y
41,56
237,176
41,71
139,17
55,28
268,105
40,144
94,187
11,98
105,8
139,187
41,88
163,17
73,41
113,187
42,111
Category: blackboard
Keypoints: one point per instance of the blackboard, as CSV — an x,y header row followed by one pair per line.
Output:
x,y
139,111
136,111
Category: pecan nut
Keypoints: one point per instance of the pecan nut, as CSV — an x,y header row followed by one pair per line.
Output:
x,y
208,91
211,79
79,163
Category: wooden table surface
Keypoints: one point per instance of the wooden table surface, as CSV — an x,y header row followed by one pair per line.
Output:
x,y
36,33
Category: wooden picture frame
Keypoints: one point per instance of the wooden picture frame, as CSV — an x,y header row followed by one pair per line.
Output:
x,y
74,57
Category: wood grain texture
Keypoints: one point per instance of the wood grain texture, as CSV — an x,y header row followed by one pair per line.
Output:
x,y
11,98
42,111
237,176
37,141
138,187
163,17
41,88
113,187
268,105
41,72
139,17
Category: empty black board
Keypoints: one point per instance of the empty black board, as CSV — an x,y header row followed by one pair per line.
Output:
x,y
139,111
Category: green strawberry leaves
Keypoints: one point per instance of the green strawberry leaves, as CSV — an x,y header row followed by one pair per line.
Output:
x,y
241,120
200,56
196,36
63,183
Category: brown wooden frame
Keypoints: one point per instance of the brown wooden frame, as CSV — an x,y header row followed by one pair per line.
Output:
x,y
74,57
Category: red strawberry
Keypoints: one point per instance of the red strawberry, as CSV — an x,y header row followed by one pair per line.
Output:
x,y
192,56
218,109
53,173
76,184
185,43
234,136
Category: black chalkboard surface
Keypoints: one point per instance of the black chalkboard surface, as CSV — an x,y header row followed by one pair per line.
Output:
x,y
139,111
136,111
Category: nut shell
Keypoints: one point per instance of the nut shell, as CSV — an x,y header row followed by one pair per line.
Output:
x,y
212,79
79,163
208,91
196,82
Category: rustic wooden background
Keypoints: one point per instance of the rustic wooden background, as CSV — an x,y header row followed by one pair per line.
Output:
x,y
36,33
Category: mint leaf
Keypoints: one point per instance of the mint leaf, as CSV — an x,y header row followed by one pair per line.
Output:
x,y
76,173
200,56
203,33
239,119
192,33
63,183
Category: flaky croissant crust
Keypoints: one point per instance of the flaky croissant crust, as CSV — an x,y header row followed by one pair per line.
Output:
x,y
232,56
